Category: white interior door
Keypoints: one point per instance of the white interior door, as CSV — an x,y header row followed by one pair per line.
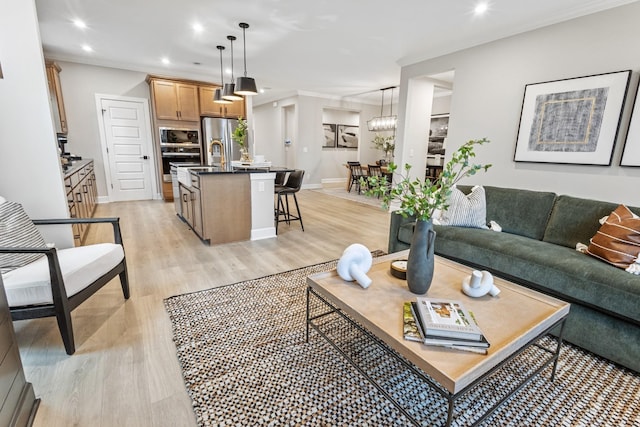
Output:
x,y
129,148
289,132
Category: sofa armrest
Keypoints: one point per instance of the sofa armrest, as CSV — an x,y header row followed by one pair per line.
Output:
x,y
115,222
397,221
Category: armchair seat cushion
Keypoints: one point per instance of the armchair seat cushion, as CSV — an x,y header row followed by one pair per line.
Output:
x,y
80,266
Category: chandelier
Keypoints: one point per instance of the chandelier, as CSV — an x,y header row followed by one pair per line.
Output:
x,y
381,122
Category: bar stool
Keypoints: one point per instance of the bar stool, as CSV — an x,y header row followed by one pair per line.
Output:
x,y
291,187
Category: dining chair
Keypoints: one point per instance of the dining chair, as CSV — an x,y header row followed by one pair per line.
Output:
x,y
356,173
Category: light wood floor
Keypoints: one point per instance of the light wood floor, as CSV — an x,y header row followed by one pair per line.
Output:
x,y
125,371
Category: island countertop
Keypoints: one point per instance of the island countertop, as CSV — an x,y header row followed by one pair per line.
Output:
x,y
209,170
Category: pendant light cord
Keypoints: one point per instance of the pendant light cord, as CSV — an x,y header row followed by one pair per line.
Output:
x,y
221,48
244,47
231,39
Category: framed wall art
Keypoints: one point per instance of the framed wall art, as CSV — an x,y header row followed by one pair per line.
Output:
x,y
348,136
631,150
330,135
572,121
438,129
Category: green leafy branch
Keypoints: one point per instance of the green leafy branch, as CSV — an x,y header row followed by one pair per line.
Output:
x,y
239,134
420,198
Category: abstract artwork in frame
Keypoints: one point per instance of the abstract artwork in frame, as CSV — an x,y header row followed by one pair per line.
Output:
x,y
330,135
348,136
572,121
631,150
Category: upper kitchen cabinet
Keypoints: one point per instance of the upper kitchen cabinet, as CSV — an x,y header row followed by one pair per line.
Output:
x,y
209,108
55,95
175,100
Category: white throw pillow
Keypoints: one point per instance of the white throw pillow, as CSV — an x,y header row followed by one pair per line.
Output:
x,y
466,210
17,231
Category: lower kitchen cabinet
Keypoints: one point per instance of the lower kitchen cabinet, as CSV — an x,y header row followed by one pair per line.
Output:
x,y
217,207
82,193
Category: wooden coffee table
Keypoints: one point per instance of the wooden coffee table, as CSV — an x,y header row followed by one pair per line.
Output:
x,y
511,322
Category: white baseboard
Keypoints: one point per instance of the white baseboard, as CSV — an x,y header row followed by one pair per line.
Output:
x,y
263,233
334,180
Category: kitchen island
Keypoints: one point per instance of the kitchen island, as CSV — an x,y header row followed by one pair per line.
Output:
x,y
227,206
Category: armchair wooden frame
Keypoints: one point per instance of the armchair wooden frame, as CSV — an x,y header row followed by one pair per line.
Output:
x,y
63,305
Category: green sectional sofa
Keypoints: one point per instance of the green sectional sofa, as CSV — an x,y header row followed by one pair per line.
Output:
x,y
536,248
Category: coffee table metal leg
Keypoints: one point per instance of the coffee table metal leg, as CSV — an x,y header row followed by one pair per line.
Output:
x,y
308,320
451,398
558,347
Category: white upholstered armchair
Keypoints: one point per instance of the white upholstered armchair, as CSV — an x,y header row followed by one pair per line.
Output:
x,y
42,281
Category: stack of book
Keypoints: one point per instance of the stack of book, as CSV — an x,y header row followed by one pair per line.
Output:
x,y
443,323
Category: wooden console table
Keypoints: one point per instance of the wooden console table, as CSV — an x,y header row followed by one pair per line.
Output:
x,y
20,404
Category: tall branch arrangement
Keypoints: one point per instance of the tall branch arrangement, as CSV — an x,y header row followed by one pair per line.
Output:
x,y
421,198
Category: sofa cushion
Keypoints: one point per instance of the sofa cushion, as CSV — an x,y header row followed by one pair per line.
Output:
x,y
81,266
557,270
522,212
466,210
17,231
575,220
618,239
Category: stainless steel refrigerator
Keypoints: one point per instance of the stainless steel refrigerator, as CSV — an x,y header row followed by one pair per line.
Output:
x,y
216,133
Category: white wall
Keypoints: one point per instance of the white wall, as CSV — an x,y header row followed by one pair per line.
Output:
x,y
489,88
268,123
306,147
30,171
79,84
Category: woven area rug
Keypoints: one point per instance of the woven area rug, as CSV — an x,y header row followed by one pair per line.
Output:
x,y
245,362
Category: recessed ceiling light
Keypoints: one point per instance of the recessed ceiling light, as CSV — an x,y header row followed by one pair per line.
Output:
x,y
227,71
87,48
79,23
166,61
481,8
197,27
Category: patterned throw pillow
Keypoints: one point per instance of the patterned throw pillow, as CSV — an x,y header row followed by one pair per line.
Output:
x,y
618,239
466,210
17,231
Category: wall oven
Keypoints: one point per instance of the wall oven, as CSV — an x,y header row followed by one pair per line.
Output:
x,y
179,145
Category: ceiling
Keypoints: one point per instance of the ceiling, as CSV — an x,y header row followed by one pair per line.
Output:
x,y
332,47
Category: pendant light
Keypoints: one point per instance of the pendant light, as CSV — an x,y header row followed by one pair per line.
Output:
x,y
229,88
245,85
381,122
217,96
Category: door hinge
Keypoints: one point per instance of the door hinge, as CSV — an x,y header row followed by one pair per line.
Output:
x,y
104,110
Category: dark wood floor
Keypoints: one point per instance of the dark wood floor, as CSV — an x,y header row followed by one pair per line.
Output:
x,y
125,371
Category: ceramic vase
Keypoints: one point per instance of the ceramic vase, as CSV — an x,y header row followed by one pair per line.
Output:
x,y
420,263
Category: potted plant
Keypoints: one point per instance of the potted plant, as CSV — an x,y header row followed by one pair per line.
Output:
x,y
239,136
420,199
385,143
